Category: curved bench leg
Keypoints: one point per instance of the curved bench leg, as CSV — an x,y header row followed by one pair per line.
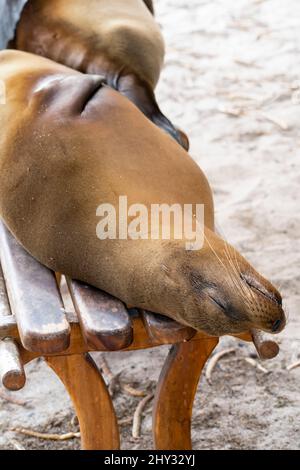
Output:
x,y
91,399
175,393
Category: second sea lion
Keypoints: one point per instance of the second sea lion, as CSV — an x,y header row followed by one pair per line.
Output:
x,y
118,40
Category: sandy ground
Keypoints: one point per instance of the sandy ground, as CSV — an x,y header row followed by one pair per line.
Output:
x,y
232,81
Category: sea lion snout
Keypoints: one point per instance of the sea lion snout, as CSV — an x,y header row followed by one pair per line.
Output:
x,y
225,295
267,300
227,305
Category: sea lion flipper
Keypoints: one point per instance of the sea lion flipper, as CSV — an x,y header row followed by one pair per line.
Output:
x,y
142,95
164,123
185,143
149,5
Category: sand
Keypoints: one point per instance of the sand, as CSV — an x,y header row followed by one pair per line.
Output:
x,y
232,82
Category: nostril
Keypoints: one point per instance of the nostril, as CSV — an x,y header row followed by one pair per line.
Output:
x,y
276,325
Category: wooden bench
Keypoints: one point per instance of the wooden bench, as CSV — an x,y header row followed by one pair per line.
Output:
x,y
33,323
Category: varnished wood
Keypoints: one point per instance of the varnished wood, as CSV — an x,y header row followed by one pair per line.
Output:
x,y
12,374
175,393
92,402
4,304
141,339
266,348
5,312
165,330
105,322
33,324
8,327
34,298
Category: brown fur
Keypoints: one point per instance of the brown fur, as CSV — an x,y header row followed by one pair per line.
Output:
x,y
117,39
59,160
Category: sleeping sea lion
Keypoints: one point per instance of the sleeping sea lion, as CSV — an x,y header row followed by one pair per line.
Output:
x,y
117,39
69,143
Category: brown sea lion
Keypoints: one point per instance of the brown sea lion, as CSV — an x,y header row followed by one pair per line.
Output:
x,y
117,39
70,143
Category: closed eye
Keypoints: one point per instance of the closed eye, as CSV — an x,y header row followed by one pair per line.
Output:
x,y
218,302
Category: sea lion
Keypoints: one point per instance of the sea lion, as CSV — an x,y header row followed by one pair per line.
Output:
x,y
69,143
119,40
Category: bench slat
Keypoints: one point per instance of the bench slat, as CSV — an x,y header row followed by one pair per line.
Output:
x,y
104,320
166,330
34,298
4,305
12,374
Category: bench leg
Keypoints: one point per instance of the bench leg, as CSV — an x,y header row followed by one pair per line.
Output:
x,y
91,399
175,394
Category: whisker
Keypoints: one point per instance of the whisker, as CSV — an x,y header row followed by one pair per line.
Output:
x,y
233,274
247,288
244,290
235,279
220,261
206,239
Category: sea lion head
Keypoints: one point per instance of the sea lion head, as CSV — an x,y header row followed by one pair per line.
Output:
x,y
223,293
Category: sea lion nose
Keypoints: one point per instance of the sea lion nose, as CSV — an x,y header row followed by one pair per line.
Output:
x,y
277,325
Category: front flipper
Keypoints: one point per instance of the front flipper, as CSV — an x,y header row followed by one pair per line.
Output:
x,y
141,94
149,5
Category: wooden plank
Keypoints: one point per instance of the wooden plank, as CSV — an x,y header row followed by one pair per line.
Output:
x,y
34,298
165,330
4,305
8,326
105,322
12,375
141,340
266,348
